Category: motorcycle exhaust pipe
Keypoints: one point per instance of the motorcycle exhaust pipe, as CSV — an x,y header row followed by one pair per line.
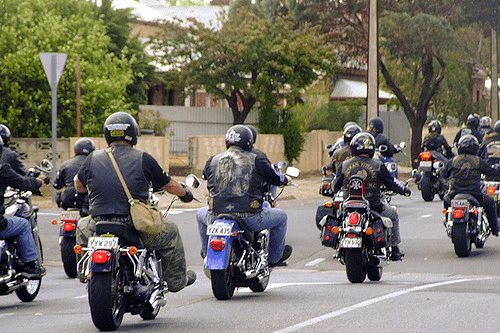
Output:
x,y
8,277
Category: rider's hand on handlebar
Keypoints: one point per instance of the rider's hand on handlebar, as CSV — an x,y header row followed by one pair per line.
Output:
x,y
188,197
43,178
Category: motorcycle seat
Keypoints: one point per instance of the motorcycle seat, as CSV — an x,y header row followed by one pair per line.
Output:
x,y
122,230
468,197
248,234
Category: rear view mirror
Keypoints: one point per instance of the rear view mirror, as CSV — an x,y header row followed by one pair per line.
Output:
x,y
192,181
292,172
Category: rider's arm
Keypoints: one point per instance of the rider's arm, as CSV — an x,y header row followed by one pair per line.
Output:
x,y
59,181
388,180
15,180
446,170
268,173
446,146
488,170
338,180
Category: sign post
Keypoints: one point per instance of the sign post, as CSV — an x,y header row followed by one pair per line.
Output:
x,y
53,64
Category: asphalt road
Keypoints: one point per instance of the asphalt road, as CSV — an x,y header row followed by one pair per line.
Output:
x,y
431,290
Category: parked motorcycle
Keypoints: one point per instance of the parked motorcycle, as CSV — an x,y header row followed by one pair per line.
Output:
x,y
360,235
427,176
18,203
123,276
236,256
466,223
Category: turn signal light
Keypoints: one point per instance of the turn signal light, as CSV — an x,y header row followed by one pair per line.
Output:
x,y
369,231
425,156
78,249
445,211
69,227
132,250
476,211
458,214
491,190
217,244
54,222
101,257
329,204
335,230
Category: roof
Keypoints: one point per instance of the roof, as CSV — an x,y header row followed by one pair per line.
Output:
x,y
347,89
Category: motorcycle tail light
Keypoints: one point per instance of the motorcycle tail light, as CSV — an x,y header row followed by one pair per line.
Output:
x,y
353,218
458,214
69,227
425,156
217,244
326,185
101,257
491,190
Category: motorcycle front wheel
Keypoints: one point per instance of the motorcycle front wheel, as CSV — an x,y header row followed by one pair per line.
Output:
x,y
224,280
354,266
68,257
107,300
461,239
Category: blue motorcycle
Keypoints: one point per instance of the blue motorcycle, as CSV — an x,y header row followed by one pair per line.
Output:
x,y
236,256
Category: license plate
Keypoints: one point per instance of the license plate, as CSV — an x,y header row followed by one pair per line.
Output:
x,y
106,243
70,215
219,230
426,164
350,242
459,203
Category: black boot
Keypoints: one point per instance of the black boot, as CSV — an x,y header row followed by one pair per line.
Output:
x,y
33,271
397,253
287,252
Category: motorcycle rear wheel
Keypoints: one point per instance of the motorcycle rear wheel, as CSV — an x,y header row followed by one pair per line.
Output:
x,y
224,280
30,290
68,257
107,300
426,188
461,240
354,267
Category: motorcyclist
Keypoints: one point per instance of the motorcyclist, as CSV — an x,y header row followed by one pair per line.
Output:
x,y
374,174
108,201
344,153
436,142
489,150
69,198
18,227
464,171
376,128
234,181
485,126
11,156
471,127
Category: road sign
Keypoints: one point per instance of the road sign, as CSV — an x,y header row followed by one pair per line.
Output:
x,y
53,63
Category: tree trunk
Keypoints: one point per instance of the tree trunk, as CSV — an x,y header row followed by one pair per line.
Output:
x,y
239,116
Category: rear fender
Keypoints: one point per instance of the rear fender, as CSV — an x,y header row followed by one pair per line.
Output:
x,y
219,259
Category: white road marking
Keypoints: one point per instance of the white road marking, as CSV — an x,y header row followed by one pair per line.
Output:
x,y
280,285
426,216
367,303
78,297
315,262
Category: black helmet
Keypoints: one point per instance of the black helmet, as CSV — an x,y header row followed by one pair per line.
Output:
x,y
84,146
472,121
254,132
363,143
485,121
120,126
468,144
497,126
350,132
241,136
376,125
5,134
434,126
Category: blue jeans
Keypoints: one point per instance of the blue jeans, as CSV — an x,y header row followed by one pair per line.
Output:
x,y
273,219
20,229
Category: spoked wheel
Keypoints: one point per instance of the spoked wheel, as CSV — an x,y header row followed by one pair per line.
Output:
x,y
107,300
426,188
354,266
224,280
461,240
375,273
29,291
68,257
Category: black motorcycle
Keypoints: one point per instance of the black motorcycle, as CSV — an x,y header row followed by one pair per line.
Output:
x,y
122,275
67,239
18,203
466,223
427,176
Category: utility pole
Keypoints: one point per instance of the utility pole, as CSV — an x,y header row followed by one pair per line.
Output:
x,y
372,94
78,98
494,74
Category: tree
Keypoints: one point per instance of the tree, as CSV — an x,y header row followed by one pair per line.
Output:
x,y
247,58
29,27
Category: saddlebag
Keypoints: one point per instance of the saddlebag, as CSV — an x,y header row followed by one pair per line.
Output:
x,y
328,238
323,210
380,234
